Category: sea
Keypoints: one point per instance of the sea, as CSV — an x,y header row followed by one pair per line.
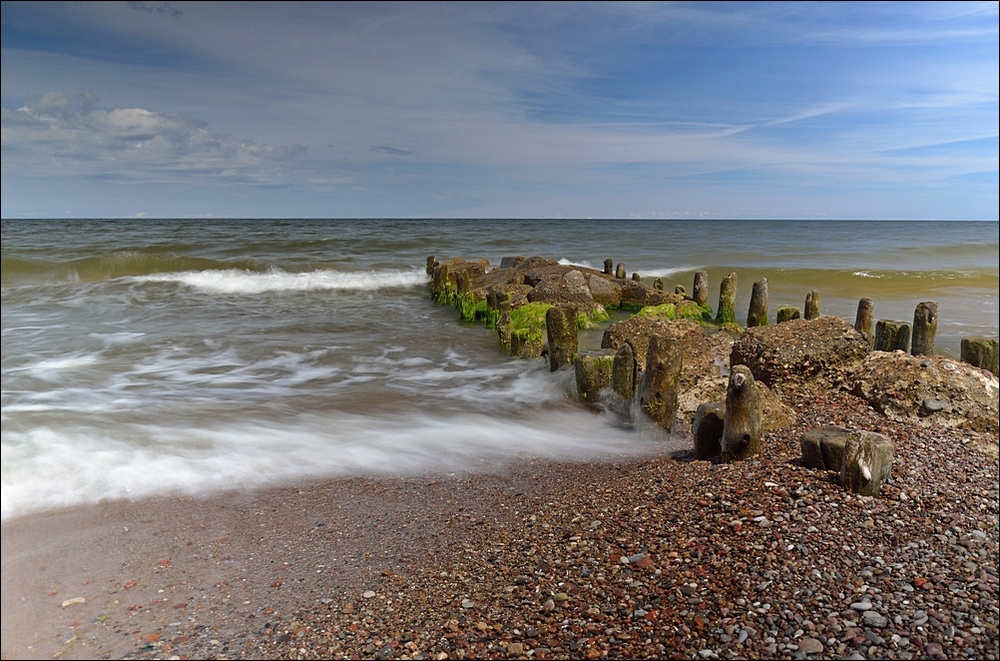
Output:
x,y
152,357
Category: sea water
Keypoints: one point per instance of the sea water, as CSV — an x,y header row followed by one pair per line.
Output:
x,y
146,357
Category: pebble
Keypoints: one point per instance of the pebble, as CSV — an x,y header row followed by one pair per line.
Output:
x,y
861,605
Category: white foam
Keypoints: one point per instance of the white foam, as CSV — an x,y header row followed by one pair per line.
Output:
x,y
45,468
242,282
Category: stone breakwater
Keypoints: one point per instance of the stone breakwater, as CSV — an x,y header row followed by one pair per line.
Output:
x,y
673,355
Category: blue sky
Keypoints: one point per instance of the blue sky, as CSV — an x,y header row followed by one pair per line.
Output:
x,y
614,110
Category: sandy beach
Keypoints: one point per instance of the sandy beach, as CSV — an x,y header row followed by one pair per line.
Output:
x,y
663,557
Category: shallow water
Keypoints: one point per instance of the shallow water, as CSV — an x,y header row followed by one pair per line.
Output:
x,y
150,356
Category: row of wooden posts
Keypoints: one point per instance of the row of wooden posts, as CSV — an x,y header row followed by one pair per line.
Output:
x,y
883,335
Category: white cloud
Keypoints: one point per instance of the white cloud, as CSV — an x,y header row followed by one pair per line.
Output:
x,y
71,134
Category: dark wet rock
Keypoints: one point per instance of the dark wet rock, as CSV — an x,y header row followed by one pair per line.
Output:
x,y
707,428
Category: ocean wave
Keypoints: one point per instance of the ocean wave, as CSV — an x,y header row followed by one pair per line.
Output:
x,y
238,281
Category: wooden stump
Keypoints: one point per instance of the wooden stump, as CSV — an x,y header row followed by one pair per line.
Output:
x,y
787,313
624,372
812,305
867,463
980,352
431,264
727,300
658,284
891,335
560,326
593,373
757,315
864,323
609,266
925,323
699,293
661,381
742,428
620,272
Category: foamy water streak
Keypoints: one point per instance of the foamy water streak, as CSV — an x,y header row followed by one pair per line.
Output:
x,y
234,281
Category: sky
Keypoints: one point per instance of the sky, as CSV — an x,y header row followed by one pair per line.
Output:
x,y
806,110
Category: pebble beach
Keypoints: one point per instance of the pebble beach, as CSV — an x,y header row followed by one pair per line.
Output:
x,y
656,557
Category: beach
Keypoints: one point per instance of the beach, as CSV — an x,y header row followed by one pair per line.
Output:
x,y
258,438
658,557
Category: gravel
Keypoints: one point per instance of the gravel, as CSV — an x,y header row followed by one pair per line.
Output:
x,y
651,558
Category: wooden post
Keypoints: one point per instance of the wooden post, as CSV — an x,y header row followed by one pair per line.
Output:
x,y
727,300
980,352
624,371
812,305
608,266
742,428
891,335
560,326
661,380
864,323
699,292
787,313
757,315
620,272
925,322
658,284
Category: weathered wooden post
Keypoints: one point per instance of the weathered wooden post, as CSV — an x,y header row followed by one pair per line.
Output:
x,y
699,292
660,381
624,371
980,352
593,373
742,428
635,277
727,300
891,335
925,323
812,305
658,284
757,315
867,462
608,266
864,323
620,271
679,289
431,263
560,326
787,313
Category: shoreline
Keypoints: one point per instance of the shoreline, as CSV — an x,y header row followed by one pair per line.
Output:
x,y
653,557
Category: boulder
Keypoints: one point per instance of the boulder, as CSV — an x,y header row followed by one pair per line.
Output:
x,y
932,391
636,295
605,291
565,288
819,351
